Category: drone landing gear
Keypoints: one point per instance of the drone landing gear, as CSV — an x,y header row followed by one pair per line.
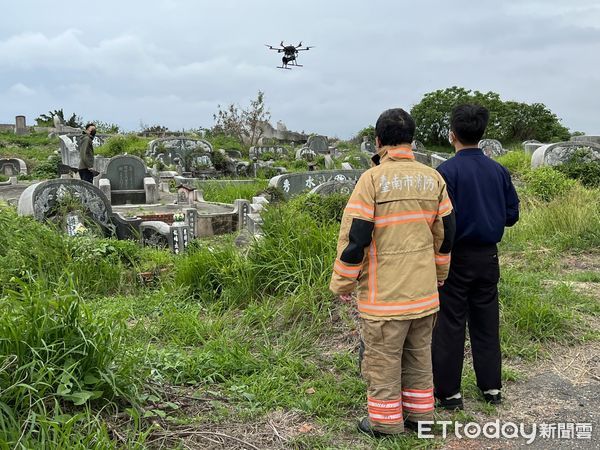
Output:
x,y
284,67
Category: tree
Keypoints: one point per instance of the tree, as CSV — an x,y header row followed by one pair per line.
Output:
x,y
368,132
47,120
242,124
509,121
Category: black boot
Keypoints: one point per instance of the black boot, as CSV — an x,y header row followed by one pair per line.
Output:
x,y
364,426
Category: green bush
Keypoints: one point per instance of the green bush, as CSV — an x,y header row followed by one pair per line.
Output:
x,y
119,145
581,167
547,183
55,354
47,169
517,162
322,208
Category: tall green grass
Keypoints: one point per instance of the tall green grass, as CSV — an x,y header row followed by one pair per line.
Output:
x,y
570,221
55,357
223,192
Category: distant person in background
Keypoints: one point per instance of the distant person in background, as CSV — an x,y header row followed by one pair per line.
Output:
x,y
485,202
86,153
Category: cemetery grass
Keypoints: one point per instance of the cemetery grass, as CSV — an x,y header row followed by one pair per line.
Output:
x,y
243,345
34,148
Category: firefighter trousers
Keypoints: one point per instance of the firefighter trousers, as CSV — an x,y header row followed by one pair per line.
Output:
x,y
396,365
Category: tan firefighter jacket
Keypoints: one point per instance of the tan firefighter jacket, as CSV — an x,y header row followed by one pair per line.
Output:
x,y
390,232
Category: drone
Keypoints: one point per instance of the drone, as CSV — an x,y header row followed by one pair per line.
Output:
x,y
290,54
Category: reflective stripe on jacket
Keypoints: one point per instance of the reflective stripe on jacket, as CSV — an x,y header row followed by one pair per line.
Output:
x,y
390,232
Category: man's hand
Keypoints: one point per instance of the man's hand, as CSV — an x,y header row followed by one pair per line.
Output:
x,y
440,283
345,298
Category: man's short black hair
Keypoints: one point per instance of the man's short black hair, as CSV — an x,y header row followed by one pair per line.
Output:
x,y
90,124
395,127
468,123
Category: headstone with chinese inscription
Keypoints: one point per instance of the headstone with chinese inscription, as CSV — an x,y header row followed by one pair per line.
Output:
x,y
296,183
12,167
335,187
318,144
127,181
20,125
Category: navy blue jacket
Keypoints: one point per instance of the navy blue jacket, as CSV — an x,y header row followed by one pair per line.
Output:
x,y
483,196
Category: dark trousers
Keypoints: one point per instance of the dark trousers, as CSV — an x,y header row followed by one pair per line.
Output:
x,y
469,296
86,175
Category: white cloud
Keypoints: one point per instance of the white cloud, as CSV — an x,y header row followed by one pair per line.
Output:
x,y
20,89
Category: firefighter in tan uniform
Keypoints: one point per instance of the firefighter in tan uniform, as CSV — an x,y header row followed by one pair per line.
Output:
x,y
394,247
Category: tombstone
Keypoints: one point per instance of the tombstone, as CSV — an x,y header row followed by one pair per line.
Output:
x,y
242,208
12,167
318,144
306,154
295,183
69,150
20,125
531,147
436,160
562,152
329,164
423,158
334,152
126,181
347,166
586,139
257,151
41,201
235,154
158,234
73,223
335,187
184,152
530,141
191,219
185,195
491,147
418,146
367,146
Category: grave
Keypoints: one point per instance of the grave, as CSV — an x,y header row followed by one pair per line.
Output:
x,y
69,150
329,164
531,147
418,146
257,151
586,139
42,201
335,187
491,147
185,152
436,160
21,125
158,234
12,167
318,144
296,183
127,181
561,152
367,146
185,195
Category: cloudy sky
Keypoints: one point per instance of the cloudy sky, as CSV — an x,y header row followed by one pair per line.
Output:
x,y
171,62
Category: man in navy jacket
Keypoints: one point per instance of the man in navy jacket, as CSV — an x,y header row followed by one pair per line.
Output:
x,y
485,202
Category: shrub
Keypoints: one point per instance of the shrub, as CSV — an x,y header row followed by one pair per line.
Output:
x,y
55,353
581,168
547,183
222,192
119,145
517,162
47,169
322,208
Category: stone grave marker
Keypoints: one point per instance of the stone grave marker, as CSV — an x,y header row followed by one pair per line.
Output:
x,y
185,152
20,125
491,147
126,180
12,166
257,151
329,164
41,200
367,146
334,187
295,183
561,152
418,146
587,139
318,144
